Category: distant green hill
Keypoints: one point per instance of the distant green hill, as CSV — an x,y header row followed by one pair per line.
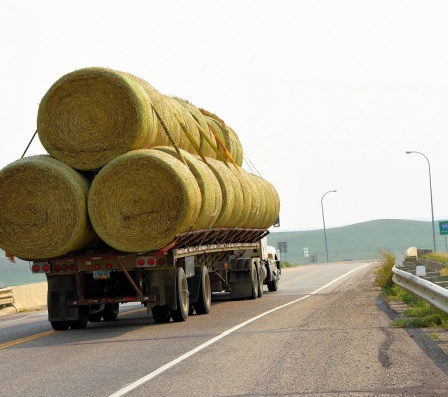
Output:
x,y
353,242
358,241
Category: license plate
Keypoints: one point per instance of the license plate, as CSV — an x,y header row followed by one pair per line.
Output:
x,y
101,274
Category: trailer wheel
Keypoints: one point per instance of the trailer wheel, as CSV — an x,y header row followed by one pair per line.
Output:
x,y
273,285
254,280
161,314
202,305
260,280
183,297
60,325
110,312
83,318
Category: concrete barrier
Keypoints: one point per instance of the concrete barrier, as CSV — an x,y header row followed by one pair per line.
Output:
x,y
6,297
26,297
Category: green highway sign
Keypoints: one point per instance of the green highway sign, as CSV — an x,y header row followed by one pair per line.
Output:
x,y
443,226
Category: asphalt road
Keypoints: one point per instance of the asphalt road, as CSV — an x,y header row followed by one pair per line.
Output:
x,y
325,332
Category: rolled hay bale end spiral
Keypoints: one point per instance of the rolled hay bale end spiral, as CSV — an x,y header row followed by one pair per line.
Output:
x,y
141,200
43,209
91,115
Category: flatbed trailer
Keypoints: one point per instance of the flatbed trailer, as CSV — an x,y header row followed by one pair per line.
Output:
x,y
172,282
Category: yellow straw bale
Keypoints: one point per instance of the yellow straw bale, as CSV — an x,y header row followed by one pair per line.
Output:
x,y
208,184
276,198
222,136
254,215
43,208
230,214
188,122
246,194
141,200
227,136
270,202
91,115
205,147
237,148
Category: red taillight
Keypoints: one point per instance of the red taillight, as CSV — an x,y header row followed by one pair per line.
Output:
x,y
141,262
57,268
36,268
64,268
71,267
46,268
151,261
97,267
109,266
161,261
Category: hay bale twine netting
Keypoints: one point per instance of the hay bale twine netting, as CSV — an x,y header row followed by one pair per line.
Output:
x,y
43,211
142,199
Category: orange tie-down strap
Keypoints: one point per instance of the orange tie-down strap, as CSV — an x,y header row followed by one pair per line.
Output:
x,y
10,257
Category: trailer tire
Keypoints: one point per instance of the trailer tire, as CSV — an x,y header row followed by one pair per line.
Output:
x,y
182,297
110,312
273,285
83,318
260,280
254,281
161,314
60,325
202,305
96,317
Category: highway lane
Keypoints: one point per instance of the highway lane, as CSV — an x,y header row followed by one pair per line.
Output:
x,y
261,357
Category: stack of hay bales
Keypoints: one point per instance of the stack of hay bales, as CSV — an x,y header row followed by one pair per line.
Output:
x,y
158,168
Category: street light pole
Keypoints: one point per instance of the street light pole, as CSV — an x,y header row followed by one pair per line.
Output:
x,y
323,218
430,193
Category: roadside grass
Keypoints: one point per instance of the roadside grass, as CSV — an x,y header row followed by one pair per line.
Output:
x,y
420,313
289,264
441,258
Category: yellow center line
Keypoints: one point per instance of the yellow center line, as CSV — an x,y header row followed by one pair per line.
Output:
x,y
27,339
42,334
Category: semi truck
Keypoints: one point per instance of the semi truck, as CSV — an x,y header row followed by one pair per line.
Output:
x,y
172,283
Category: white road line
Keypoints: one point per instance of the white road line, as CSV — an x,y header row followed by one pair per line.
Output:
x,y
183,357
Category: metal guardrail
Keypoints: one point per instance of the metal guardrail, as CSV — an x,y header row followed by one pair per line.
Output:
x,y
424,289
6,296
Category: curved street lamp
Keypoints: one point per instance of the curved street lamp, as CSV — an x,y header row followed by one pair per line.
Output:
x,y
430,193
323,218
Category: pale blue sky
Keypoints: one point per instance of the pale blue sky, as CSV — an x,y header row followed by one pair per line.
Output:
x,y
323,94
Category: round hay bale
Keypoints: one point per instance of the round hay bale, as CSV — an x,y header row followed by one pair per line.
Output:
x,y
91,115
237,153
190,125
264,214
43,209
230,215
276,198
246,193
222,135
141,200
254,215
205,147
271,202
208,184
227,136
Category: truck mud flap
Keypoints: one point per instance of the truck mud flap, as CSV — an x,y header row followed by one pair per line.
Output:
x,y
240,280
240,289
60,290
